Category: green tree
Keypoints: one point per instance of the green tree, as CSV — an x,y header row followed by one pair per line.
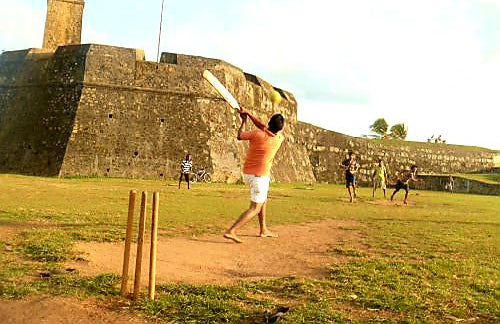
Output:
x,y
379,127
399,131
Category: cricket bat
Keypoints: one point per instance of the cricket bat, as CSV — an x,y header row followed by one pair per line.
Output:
x,y
221,89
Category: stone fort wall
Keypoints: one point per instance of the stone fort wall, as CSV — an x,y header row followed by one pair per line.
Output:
x,y
103,111
327,149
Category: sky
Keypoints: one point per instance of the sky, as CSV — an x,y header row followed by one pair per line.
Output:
x,y
431,64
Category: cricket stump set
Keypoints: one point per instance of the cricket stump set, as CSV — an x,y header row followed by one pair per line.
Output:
x,y
140,243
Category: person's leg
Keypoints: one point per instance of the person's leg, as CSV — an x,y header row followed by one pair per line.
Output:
x,y
383,186
395,191
186,176
374,188
180,180
406,194
245,217
350,194
353,183
348,184
264,231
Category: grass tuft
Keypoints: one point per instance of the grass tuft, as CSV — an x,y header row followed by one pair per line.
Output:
x,y
46,245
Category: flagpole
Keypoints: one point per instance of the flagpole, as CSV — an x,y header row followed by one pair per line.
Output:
x,y
159,34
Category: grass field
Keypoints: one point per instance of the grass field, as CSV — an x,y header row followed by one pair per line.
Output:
x,y
493,178
434,261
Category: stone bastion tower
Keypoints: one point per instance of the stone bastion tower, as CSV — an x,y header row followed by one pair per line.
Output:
x,y
69,109
63,25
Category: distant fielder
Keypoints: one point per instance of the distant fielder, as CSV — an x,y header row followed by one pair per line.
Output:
x,y
186,166
264,143
404,179
351,169
379,177
450,185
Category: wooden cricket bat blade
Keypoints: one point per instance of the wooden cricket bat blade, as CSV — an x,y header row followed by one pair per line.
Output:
x,y
221,89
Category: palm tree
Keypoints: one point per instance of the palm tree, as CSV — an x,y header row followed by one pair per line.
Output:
x,y
380,127
399,131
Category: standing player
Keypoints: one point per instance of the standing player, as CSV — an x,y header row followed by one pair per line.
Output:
x,y
351,168
186,166
379,177
264,143
450,184
404,179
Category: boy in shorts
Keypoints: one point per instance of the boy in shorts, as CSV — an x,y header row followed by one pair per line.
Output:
x,y
450,184
351,169
379,177
186,166
404,182
264,143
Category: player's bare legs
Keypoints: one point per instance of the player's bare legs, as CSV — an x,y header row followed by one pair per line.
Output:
x,y
374,188
247,215
264,231
394,193
180,180
350,194
385,194
406,198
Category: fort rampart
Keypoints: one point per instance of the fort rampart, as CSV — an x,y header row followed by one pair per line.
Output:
x,y
327,149
99,110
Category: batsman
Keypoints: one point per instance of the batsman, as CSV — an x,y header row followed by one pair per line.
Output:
x,y
264,142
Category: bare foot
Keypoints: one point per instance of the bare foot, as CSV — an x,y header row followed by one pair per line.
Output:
x,y
232,237
406,203
268,234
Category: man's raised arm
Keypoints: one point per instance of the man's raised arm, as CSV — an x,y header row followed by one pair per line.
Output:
x,y
243,125
257,122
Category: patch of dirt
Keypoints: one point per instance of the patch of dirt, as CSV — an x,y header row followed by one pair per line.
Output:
x,y
382,202
46,309
388,202
9,231
300,250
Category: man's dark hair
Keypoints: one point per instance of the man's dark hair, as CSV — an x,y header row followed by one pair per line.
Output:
x,y
276,123
413,166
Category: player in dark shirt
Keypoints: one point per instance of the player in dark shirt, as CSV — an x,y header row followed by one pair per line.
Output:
x,y
404,179
351,169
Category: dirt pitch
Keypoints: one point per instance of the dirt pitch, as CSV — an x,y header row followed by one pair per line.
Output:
x,y
301,250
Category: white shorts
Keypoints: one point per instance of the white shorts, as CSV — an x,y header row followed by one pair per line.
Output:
x,y
259,187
